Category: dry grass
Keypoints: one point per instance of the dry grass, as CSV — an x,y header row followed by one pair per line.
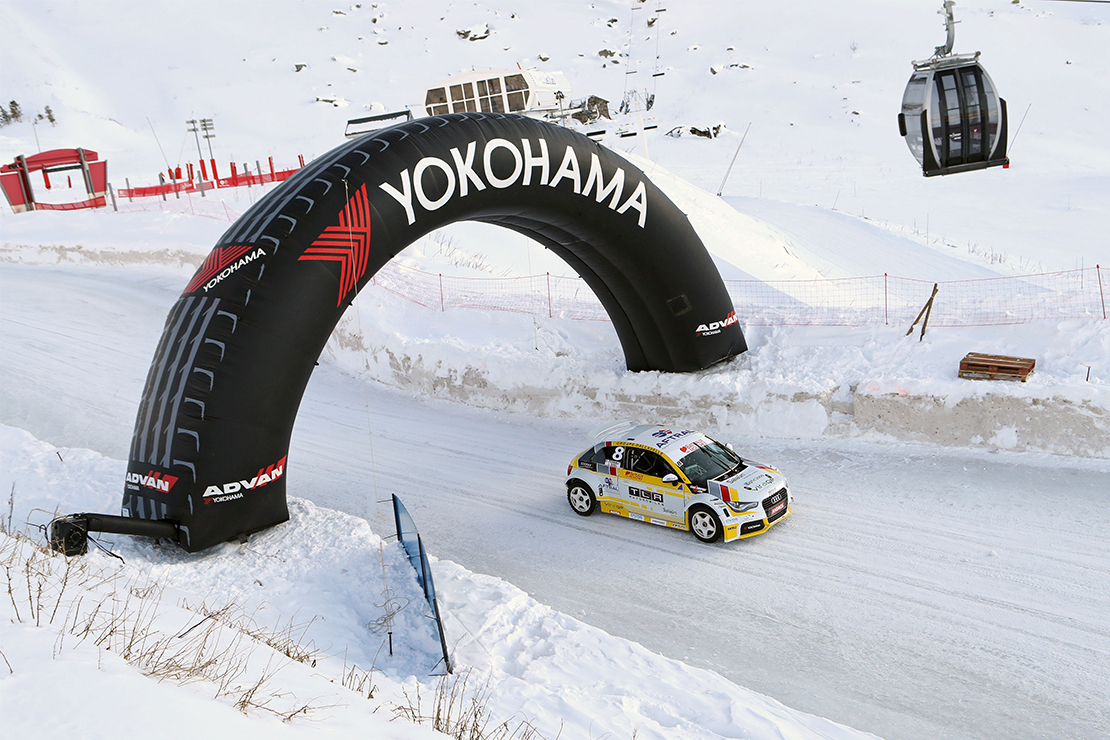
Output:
x,y
86,601
460,710
221,647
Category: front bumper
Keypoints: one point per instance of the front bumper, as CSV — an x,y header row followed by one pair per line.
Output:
x,y
772,510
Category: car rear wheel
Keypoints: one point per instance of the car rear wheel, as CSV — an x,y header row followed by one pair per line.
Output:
x,y
705,524
581,498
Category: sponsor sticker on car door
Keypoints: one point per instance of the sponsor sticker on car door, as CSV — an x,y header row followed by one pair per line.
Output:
x,y
645,490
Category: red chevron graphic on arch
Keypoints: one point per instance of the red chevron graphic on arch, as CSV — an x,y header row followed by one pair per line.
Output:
x,y
348,243
214,263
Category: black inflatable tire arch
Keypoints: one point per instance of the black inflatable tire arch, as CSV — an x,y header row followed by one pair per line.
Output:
x,y
214,424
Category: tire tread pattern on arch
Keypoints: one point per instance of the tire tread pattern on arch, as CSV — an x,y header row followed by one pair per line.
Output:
x,y
212,432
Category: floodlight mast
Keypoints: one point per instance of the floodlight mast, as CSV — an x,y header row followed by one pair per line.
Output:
x,y
209,133
208,129
192,122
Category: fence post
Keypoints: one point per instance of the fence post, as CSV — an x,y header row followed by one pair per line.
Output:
x,y
442,307
1101,295
926,311
550,314
130,197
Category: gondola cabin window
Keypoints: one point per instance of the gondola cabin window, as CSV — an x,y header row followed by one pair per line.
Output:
x,y
913,107
462,98
501,94
967,120
489,92
517,88
947,128
974,113
435,101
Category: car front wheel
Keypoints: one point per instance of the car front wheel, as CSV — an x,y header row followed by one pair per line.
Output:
x,y
705,525
581,498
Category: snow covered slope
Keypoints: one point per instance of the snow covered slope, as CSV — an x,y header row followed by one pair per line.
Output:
x,y
917,592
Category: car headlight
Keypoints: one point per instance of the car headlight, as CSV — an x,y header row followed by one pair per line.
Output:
x,y
740,507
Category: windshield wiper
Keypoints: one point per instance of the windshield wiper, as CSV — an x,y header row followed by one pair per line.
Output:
x,y
735,468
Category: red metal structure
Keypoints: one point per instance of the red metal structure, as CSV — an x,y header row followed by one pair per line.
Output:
x,y
15,178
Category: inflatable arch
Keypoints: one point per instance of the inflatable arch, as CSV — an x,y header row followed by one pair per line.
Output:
x,y
210,446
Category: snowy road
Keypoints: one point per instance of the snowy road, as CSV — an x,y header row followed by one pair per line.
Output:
x,y
916,593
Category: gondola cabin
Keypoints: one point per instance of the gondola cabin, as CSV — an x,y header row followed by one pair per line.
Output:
x,y
952,117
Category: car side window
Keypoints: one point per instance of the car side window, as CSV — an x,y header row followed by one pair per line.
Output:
x,y
650,463
590,456
588,460
616,456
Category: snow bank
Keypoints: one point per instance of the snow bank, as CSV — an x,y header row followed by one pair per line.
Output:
x,y
795,382
327,590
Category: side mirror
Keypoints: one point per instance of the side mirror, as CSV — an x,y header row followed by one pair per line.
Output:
x,y
670,478
729,446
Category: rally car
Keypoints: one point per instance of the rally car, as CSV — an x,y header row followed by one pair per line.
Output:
x,y
676,478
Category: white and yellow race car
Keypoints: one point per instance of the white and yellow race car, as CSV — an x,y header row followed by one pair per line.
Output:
x,y
676,478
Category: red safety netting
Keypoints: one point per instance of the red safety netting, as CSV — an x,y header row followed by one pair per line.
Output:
x,y
191,203
882,299
97,202
539,295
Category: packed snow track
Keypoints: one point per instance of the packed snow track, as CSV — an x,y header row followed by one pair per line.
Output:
x,y
915,593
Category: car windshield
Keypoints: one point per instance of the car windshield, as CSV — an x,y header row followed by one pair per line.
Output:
x,y
708,461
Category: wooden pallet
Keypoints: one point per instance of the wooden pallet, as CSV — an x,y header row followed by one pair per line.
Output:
x,y
996,367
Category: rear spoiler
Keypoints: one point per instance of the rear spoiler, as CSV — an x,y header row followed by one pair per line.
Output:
x,y
614,429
